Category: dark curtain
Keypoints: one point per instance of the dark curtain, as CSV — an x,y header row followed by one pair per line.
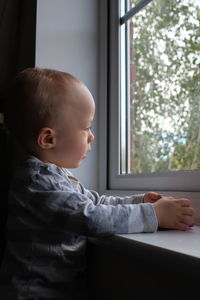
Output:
x,y
17,52
17,40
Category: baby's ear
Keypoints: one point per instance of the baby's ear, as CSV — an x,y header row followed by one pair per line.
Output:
x,y
46,138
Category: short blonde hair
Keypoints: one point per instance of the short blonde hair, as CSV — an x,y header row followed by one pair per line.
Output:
x,y
35,101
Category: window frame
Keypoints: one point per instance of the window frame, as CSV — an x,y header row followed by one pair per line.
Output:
x,y
182,183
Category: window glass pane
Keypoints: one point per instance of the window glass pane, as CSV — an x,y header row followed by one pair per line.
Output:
x,y
163,75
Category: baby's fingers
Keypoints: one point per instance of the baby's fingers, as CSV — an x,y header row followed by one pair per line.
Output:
x,y
182,226
183,202
186,220
189,211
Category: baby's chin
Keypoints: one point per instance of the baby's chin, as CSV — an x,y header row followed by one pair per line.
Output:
x,y
71,166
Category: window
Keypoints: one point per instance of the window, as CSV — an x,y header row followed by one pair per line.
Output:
x,y
154,94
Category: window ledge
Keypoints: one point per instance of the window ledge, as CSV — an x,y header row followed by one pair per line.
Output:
x,y
182,242
173,242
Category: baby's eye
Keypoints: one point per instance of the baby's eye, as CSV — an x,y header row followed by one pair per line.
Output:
x,y
88,128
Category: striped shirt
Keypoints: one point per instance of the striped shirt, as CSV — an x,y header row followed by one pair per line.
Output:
x,y
51,215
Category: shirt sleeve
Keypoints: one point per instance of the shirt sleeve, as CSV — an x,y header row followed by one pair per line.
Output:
x,y
111,200
51,201
114,200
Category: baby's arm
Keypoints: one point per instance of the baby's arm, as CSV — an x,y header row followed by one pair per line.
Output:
x,y
150,197
114,200
170,212
170,215
53,200
77,213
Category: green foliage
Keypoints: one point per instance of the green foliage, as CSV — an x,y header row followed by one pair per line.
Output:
x,y
165,90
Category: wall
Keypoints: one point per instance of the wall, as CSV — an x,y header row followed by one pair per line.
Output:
x,y
66,39
119,269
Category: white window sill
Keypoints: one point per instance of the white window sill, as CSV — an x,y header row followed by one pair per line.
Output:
x,y
183,242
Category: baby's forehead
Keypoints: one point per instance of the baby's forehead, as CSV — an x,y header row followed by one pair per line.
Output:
x,y
76,93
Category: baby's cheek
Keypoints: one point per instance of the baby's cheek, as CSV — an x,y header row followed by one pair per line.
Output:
x,y
82,147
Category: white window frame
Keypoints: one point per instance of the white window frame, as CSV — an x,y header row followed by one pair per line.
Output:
x,y
179,183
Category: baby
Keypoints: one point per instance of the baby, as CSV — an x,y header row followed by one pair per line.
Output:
x,y
50,211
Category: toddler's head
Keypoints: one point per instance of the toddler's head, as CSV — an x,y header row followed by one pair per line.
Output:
x,y
50,112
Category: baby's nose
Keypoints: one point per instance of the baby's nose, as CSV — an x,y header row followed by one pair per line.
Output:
x,y
91,137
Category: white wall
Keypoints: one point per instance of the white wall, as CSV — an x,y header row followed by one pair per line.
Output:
x,y
66,39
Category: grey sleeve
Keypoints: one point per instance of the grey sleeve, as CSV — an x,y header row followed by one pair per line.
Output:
x,y
74,212
114,200
49,199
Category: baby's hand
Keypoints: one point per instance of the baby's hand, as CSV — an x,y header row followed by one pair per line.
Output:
x,y
174,214
152,197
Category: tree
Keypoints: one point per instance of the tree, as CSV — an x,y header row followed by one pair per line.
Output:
x,y
165,86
